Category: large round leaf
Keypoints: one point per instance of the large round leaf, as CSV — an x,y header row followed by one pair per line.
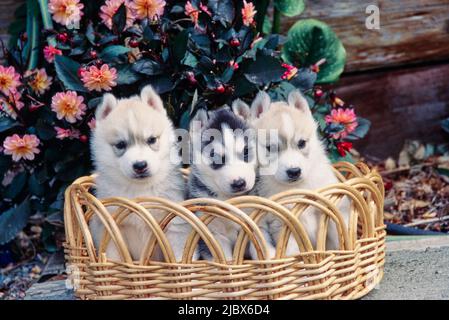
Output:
x,y
290,8
309,41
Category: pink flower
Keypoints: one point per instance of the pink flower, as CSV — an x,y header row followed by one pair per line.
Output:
x,y
9,79
99,79
109,9
290,72
205,9
192,12
68,105
13,100
50,52
248,13
66,12
21,147
150,9
62,133
39,80
344,117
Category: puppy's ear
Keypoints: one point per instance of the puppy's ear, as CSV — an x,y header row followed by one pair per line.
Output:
x,y
260,104
199,121
297,100
152,99
106,106
241,109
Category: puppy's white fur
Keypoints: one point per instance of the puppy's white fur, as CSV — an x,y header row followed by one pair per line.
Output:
x,y
133,121
293,121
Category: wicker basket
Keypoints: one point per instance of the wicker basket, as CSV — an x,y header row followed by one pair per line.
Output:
x,y
347,273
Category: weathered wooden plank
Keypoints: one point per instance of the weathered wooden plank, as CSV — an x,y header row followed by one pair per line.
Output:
x,y
411,31
401,104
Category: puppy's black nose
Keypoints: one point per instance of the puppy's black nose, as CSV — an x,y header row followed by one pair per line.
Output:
x,y
238,185
293,173
140,166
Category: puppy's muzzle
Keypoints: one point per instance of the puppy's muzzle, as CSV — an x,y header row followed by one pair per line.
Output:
x,y
293,174
238,185
141,169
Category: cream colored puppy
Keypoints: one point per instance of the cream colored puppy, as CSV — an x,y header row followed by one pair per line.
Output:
x,y
295,158
132,148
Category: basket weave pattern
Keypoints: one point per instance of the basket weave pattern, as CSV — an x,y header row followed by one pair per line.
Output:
x,y
347,273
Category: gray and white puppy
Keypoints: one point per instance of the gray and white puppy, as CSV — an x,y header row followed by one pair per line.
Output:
x,y
223,166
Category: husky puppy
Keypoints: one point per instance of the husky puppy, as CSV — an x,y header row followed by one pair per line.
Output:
x,y
297,160
224,166
131,149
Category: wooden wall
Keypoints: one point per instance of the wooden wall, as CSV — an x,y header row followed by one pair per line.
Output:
x,y
397,76
411,31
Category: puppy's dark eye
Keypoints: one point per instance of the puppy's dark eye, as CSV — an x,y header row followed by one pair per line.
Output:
x,y
272,148
121,145
245,154
301,144
216,161
151,140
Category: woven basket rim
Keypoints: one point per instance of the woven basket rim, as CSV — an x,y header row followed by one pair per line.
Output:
x,y
362,241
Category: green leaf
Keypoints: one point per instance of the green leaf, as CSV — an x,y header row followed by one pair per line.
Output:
x,y
148,67
304,80
44,130
94,102
161,84
267,25
361,130
227,75
46,17
119,18
5,164
33,32
113,52
290,8
90,33
185,120
189,60
224,10
126,74
180,45
309,41
67,71
35,187
264,70
16,186
7,123
13,220
147,33
46,20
